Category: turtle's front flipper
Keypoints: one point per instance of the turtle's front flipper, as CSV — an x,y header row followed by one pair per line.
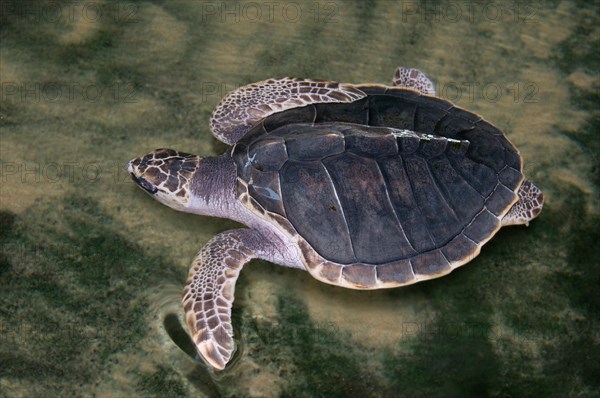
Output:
x,y
415,79
242,108
208,294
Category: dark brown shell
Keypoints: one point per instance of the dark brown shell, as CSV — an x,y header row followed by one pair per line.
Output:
x,y
360,191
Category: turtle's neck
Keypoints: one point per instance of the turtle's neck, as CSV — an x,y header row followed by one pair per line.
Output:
x,y
213,187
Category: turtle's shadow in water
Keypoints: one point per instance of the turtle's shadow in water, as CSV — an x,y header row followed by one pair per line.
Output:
x,y
200,376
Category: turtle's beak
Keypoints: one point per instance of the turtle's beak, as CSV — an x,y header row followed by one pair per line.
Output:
x,y
151,189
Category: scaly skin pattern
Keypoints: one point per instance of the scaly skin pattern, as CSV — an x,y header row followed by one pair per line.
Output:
x,y
208,294
528,207
415,79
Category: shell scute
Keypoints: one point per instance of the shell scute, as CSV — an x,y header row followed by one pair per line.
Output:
x,y
390,189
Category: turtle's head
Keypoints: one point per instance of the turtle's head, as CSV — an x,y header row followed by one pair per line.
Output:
x,y
166,175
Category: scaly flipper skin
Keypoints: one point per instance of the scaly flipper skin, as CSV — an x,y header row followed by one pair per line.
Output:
x,y
242,108
209,292
415,79
528,207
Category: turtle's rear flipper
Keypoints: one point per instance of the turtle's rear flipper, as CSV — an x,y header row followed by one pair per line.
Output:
x,y
243,108
415,79
208,294
528,207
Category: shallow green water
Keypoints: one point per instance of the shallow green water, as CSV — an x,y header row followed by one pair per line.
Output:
x,y
91,269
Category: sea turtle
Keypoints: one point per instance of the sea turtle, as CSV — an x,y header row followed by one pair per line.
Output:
x,y
364,186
